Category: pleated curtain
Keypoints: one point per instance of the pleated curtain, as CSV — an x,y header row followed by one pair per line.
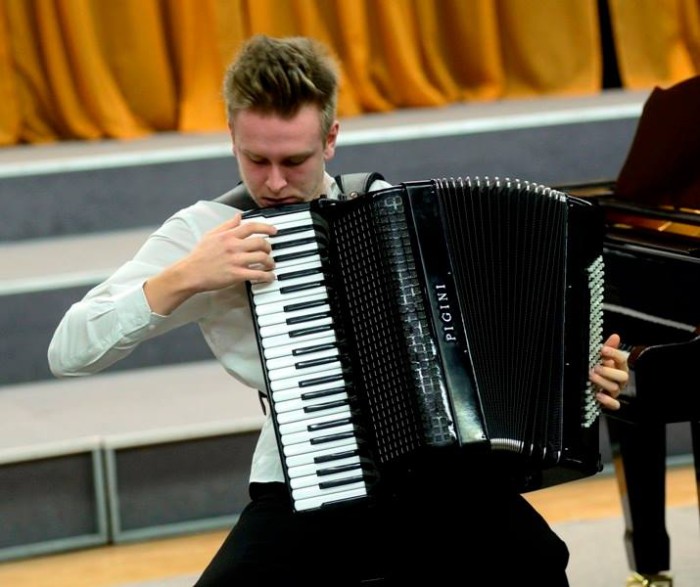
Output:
x,y
121,69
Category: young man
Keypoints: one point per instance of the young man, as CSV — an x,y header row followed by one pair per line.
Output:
x,y
281,99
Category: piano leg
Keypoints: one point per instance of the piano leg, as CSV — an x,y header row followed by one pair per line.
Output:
x,y
695,434
639,454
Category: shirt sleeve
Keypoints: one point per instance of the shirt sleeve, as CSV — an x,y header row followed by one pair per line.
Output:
x,y
114,317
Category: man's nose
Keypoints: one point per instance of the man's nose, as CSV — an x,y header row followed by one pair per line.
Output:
x,y
276,180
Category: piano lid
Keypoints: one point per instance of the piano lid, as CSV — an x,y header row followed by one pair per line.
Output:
x,y
662,167
655,200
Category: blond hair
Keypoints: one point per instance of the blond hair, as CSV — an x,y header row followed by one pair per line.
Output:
x,y
280,75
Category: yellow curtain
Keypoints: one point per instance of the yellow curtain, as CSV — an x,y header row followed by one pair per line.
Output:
x,y
10,115
95,69
657,41
197,64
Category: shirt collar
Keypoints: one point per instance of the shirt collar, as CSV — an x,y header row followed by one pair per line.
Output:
x,y
331,188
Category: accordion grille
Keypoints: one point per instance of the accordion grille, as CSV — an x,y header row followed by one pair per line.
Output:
x,y
376,345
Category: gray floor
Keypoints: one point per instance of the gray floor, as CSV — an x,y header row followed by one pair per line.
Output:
x,y
598,557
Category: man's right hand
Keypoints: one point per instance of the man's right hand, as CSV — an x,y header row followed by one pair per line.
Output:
x,y
227,255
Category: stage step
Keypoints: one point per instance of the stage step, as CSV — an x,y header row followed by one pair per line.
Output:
x,y
123,456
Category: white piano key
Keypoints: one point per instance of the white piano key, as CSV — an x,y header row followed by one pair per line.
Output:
x,y
291,264
311,265
291,360
326,455
282,329
307,492
281,220
314,479
318,420
314,468
281,307
282,317
296,391
308,264
295,220
316,502
299,448
303,370
288,349
276,296
307,337
302,415
293,236
277,285
297,404
309,380
318,436
303,248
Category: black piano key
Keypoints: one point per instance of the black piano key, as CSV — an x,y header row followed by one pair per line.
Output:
x,y
340,482
316,362
299,273
322,393
320,380
307,318
293,256
304,305
327,406
336,456
328,425
305,331
338,469
301,287
332,437
293,230
314,349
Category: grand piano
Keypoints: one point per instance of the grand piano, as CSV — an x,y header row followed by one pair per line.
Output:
x,y
652,267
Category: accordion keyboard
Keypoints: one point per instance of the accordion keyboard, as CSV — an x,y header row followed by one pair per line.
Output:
x,y
320,441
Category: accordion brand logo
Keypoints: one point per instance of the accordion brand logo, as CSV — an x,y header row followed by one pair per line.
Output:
x,y
445,312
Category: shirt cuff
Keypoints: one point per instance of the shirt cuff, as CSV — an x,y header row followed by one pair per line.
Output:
x,y
136,315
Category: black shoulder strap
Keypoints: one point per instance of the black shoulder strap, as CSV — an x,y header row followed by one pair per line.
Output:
x,y
353,184
238,197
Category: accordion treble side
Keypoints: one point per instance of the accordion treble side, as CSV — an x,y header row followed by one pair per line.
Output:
x,y
457,315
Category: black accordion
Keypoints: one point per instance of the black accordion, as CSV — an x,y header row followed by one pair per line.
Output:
x,y
458,315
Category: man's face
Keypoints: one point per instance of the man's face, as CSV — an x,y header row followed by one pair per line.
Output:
x,y
282,160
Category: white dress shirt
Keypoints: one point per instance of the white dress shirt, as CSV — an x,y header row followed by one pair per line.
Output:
x,y
114,317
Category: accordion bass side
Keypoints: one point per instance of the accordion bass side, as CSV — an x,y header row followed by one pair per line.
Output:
x,y
459,316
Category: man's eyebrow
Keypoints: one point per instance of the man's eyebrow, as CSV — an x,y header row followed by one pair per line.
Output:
x,y
252,154
295,156
290,157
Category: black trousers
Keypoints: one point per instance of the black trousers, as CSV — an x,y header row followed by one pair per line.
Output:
x,y
439,531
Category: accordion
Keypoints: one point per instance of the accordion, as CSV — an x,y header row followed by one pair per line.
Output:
x,y
452,315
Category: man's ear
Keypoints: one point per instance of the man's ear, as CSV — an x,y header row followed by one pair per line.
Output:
x,y
331,138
